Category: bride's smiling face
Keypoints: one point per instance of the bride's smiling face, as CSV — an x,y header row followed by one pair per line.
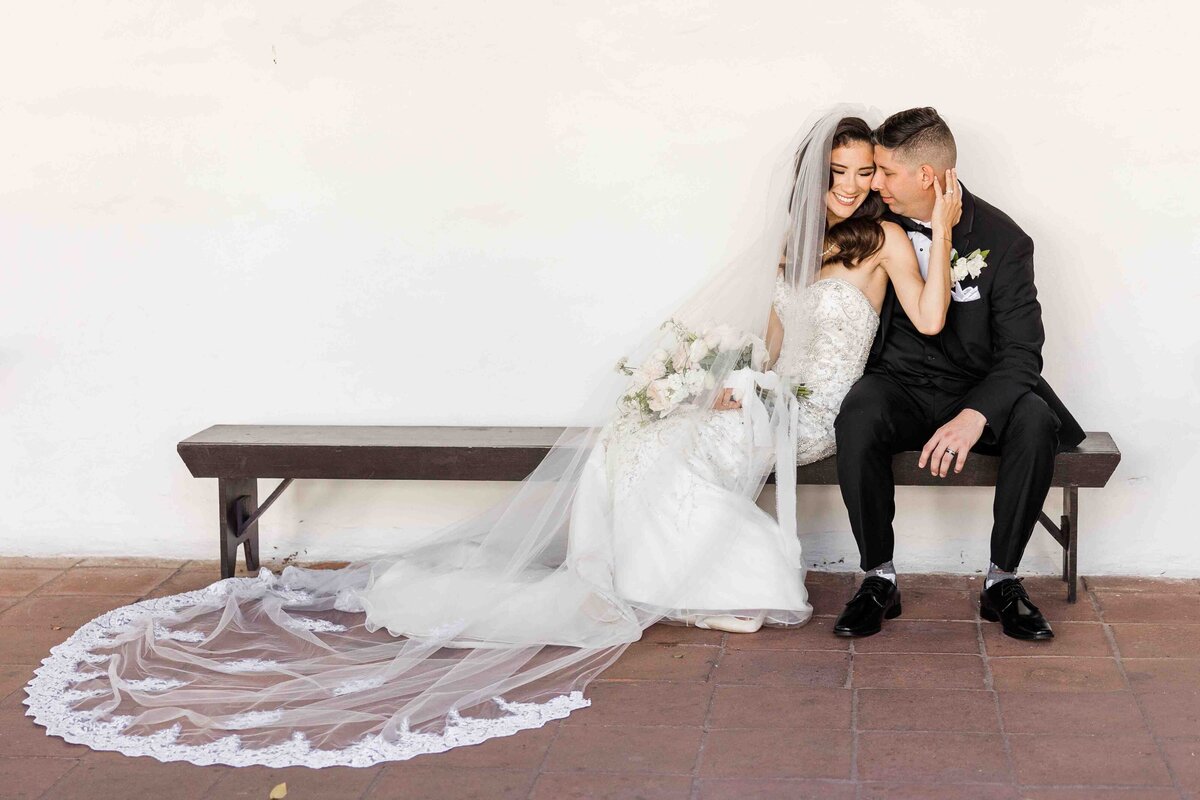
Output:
x,y
851,168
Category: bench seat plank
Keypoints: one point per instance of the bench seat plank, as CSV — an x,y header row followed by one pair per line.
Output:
x,y
391,452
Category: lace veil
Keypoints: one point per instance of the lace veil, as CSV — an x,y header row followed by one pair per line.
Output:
x,y
488,627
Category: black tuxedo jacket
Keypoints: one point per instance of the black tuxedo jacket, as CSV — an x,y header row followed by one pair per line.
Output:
x,y
990,347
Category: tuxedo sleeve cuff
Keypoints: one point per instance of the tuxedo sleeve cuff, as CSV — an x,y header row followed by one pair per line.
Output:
x,y
994,403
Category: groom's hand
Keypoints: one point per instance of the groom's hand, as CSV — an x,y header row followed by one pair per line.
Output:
x,y
955,438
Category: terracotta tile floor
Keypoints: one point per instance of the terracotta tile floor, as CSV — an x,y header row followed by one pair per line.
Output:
x,y
939,705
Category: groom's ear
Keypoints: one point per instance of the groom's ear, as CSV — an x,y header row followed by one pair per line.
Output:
x,y
927,174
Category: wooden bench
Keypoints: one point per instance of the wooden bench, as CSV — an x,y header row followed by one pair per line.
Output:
x,y
238,455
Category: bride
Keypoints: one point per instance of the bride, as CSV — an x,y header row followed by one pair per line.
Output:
x,y
496,624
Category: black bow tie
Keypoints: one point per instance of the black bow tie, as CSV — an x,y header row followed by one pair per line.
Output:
x,y
915,227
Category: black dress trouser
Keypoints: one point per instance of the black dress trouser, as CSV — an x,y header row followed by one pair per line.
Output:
x,y
881,417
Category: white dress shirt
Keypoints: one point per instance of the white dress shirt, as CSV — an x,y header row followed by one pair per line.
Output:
x,y
922,244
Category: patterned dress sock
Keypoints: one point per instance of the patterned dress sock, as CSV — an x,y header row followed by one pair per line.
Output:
x,y
997,574
884,570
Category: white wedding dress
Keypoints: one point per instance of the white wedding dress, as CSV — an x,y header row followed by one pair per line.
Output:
x,y
653,547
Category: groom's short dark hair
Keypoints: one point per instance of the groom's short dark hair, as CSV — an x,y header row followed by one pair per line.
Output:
x,y
918,135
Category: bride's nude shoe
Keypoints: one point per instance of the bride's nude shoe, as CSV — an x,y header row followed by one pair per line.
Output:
x,y
731,624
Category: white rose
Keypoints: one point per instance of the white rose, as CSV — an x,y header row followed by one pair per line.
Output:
x,y
642,378
675,386
658,395
713,337
698,351
975,265
654,367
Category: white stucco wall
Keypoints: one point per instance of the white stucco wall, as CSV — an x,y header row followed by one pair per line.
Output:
x,y
402,213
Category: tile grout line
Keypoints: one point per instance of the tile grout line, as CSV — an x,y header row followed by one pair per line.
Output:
x,y
46,794
989,683
370,787
537,773
853,721
1116,651
178,570
705,727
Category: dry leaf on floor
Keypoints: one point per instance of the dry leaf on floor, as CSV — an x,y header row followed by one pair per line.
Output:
x,y
278,793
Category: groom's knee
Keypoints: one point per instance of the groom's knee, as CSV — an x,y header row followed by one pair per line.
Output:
x,y
1031,425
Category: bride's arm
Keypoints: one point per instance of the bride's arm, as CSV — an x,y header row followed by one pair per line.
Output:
x,y
774,338
924,301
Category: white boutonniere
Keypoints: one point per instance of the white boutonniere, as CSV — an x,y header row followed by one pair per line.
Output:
x,y
971,265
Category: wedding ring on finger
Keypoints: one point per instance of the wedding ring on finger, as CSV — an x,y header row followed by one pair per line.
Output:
x,y
950,452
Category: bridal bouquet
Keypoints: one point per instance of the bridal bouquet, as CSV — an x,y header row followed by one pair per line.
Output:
x,y
681,371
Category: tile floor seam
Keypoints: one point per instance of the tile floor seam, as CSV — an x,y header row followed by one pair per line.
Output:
x,y
370,787
541,767
1116,651
46,794
178,570
989,685
853,718
32,592
705,726
36,591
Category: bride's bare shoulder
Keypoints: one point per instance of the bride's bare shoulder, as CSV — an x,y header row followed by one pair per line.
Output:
x,y
892,233
896,245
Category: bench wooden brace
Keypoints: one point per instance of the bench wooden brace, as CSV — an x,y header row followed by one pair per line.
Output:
x,y
1066,533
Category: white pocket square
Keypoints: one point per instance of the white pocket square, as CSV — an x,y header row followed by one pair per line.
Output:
x,y
964,295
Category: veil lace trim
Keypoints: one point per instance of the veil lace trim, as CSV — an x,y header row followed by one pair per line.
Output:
x,y
51,695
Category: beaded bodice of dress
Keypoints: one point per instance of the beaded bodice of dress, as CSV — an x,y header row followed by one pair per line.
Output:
x,y
828,329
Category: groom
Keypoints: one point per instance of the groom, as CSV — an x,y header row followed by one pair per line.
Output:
x,y
974,387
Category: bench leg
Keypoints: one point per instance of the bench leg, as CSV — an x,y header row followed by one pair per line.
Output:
x,y
1070,531
238,499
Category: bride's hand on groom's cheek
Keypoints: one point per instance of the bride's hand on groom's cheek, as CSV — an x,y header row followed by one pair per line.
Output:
x,y
947,204
951,443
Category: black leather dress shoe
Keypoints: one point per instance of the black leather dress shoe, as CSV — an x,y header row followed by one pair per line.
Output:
x,y
1008,603
876,600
